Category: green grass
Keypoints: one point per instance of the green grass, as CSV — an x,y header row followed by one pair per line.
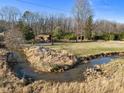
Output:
x,y
90,48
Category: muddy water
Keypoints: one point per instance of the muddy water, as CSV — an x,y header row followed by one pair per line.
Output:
x,y
23,70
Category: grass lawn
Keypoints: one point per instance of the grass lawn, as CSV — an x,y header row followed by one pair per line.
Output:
x,y
90,48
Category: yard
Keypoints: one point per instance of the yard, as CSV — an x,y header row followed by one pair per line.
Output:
x,y
90,48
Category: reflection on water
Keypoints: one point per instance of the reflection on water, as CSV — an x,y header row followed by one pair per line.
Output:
x,y
103,60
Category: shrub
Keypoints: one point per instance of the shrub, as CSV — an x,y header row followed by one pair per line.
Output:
x,y
108,36
121,36
26,30
28,33
117,37
111,37
100,37
70,36
58,33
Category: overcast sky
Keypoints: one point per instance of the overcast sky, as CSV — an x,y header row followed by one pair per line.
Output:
x,y
103,9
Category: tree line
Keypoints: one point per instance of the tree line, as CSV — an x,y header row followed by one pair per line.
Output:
x,y
80,26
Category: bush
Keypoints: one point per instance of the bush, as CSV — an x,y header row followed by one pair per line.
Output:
x,y
111,37
100,37
108,36
28,33
58,34
121,36
70,36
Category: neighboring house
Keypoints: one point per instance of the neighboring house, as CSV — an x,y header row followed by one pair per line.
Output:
x,y
43,38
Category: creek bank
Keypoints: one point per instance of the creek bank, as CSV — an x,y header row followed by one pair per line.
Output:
x,y
107,77
48,60
101,55
23,69
9,83
110,80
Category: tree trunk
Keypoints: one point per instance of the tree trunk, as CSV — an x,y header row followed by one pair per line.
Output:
x,y
77,39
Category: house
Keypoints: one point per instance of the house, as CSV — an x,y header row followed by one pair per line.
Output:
x,y
43,38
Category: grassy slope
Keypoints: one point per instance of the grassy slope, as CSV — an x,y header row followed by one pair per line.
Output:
x,y
90,48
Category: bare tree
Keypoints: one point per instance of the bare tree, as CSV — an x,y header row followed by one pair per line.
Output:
x,y
14,39
10,14
82,11
89,28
